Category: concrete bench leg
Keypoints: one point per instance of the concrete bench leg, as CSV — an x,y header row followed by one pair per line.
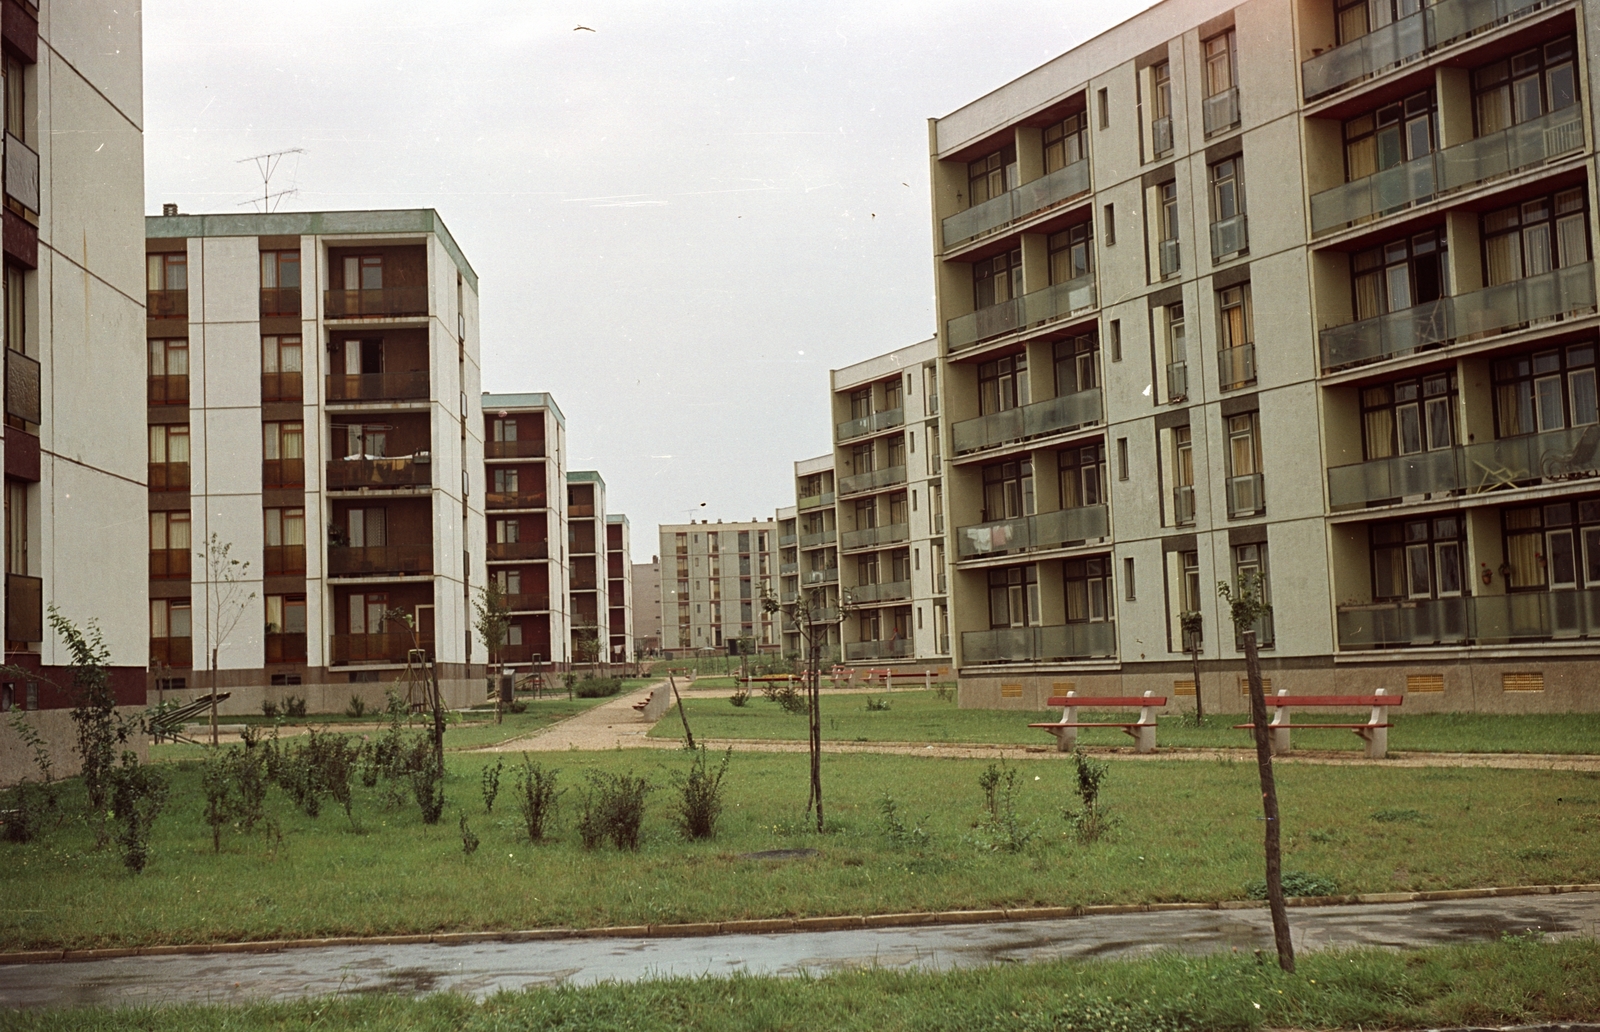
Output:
x,y
1066,738
1279,740
1144,739
1377,739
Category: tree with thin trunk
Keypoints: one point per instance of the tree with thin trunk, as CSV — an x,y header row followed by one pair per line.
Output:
x,y
494,617
226,603
1247,607
1194,635
812,617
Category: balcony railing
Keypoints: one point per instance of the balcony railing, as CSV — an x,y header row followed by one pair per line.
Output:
x,y
1161,135
582,580
284,560
169,476
1402,40
526,603
377,386
1056,415
1247,495
515,500
1220,111
167,304
827,576
1177,381
872,537
172,652
22,173
1040,644
398,471
379,560
1466,164
502,551
280,301
1061,185
24,608
513,449
388,301
1236,367
1171,259
788,569
814,501
1183,505
1483,620
853,428
873,480
1230,236
788,540
826,537
897,648
22,386
1560,292
286,648
891,591
167,390
279,473
1057,301
1045,530
384,647
279,387
1509,461
169,563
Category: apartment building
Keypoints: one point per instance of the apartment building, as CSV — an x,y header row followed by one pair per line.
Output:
x,y
887,451
71,229
719,573
525,502
619,588
587,587
816,557
647,605
314,406
1295,287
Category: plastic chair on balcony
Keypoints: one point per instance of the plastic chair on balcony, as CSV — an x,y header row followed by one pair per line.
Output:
x,y
1579,462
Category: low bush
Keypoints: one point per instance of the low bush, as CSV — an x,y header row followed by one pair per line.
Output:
x,y
490,779
894,826
1090,821
1295,883
269,708
536,797
138,793
294,706
697,812
876,705
357,707
1000,829
469,840
597,687
612,808
740,697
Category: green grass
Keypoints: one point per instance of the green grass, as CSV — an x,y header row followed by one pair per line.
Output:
x,y
1507,982
919,716
391,874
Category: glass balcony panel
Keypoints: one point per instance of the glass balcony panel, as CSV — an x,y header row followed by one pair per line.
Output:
x,y
1511,305
788,540
506,551
1247,495
22,386
1069,526
994,538
1183,505
1034,644
1063,184
1522,145
980,219
873,536
1230,236
1393,624
1384,191
1398,333
1369,55
886,592
1171,261
22,173
827,576
1236,367
788,569
1046,417
1221,112
817,540
1396,477
385,302
872,480
1058,301
992,321
1177,381
884,420
1161,135
896,649
1078,640
513,449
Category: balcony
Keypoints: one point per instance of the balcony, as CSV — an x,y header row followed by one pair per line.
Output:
x,y
1161,136
1474,468
898,648
1057,301
1247,495
582,580
1045,530
1454,168
788,569
286,648
892,591
384,647
826,537
278,387
284,560
875,537
1400,41
527,652
386,303
788,540
280,301
1220,111
813,577
167,304
582,510
1170,258
22,173
505,551
281,473
815,501
1229,237
169,476
172,652
24,608
1028,199
1236,367
169,564
853,428
513,449
1484,620
399,471
1183,505
378,386
788,598
873,480
515,500
380,560
1068,412
1177,381
1509,306
526,603
22,387
1040,644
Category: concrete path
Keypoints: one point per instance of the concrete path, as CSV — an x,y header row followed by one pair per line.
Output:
x,y
610,725
482,969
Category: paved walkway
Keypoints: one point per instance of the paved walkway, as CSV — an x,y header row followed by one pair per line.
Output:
x,y
485,968
610,725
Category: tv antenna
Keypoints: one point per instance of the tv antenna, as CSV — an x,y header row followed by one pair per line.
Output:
x,y
267,165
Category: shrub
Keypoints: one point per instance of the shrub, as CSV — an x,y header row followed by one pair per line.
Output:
x,y
612,808
786,695
944,692
1091,821
332,759
894,827
469,841
491,784
875,705
357,707
597,687
1000,828
269,708
701,805
536,797
427,780
740,697
294,706
31,803
1295,883
138,793
517,707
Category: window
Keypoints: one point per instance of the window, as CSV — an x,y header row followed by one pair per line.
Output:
x,y
1116,340
1418,559
1400,274
363,272
368,613
861,461
1167,213
1356,18
897,509
16,316
1071,253
1182,475
282,441
16,99
168,358
1088,589
1076,368
896,447
1409,416
900,565
1103,102
930,390
167,272
1236,337
1393,135
280,355
286,614
1082,476
1545,391
508,581
16,529
169,532
894,394
1122,458
1170,318
280,282
1161,109
1227,208
1534,237
1127,579
1003,384
1110,223
1066,142
989,177
170,618
1553,546
866,513
169,443
861,403
1014,597
505,481
363,440
997,280
1189,595
1524,87
1008,490
1251,560
507,532
1245,496
367,527
1221,107
286,529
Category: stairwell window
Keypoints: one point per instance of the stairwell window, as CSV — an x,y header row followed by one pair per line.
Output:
x,y
1182,476
1245,495
1221,106
1161,110
1170,261
1251,560
1228,225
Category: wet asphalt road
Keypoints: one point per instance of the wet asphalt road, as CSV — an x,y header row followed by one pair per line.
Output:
x,y
482,969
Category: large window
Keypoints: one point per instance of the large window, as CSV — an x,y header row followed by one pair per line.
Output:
x,y
280,354
894,394
1400,274
997,279
861,403
363,272
1008,490
1525,86
286,614
1236,338
1531,238
282,441
1545,390
1088,589
991,176
1390,136
1167,212
1418,559
1003,384
1014,597
1077,368
1554,546
1161,109
1220,56
1066,142
1356,18
1082,476
1409,416
170,618
1072,252
169,533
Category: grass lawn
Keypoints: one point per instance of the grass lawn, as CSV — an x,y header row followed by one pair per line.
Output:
x,y
1509,982
1190,831
919,716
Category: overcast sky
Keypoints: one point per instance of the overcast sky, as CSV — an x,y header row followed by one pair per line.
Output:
x,y
680,221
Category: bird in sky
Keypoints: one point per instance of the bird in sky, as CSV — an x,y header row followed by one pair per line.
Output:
x,y
583,28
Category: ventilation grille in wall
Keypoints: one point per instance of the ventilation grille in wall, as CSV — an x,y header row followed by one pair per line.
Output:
x,y
1185,688
1011,691
1244,686
1424,683
1063,687
1533,682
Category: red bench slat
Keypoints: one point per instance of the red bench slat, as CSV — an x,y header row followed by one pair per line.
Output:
x,y
1334,700
1109,702
1134,724
1304,727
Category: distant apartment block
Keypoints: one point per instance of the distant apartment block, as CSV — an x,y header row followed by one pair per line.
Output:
x,y
714,575
525,503
619,588
816,575
647,604
588,587
313,403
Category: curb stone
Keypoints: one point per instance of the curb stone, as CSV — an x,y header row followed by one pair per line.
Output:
x,y
835,923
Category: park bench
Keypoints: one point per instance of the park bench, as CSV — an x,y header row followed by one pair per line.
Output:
x,y
1375,732
1142,730
887,677
169,722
